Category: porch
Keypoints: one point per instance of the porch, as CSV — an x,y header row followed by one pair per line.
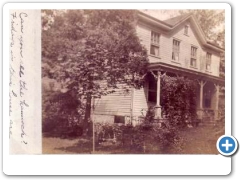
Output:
x,y
207,94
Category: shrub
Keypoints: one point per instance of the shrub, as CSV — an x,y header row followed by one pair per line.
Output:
x,y
144,138
178,99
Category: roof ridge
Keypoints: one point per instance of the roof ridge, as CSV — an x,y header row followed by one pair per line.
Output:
x,y
174,20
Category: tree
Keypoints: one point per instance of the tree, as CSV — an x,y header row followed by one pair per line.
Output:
x,y
209,20
91,53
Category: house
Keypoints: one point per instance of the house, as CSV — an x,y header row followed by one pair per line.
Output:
x,y
175,46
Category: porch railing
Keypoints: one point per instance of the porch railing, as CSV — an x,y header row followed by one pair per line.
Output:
x,y
207,114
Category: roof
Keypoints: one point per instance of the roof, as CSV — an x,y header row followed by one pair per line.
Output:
x,y
172,23
175,20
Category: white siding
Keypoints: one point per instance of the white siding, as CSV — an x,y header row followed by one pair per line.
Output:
x,y
118,103
140,105
186,41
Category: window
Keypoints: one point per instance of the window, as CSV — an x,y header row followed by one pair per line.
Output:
x,y
176,49
193,61
119,119
155,44
208,61
186,30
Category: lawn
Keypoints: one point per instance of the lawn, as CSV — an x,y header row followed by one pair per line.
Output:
x,y
195,140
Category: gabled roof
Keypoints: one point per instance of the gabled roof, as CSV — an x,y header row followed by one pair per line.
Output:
x,y
172,23
175,20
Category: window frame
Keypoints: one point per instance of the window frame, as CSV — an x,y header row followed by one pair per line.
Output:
x,y
118,119
155,43
193,56
208,54
186,30
176,50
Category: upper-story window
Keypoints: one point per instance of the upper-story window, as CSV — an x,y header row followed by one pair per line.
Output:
x,y
208,61
155,43
186,30
193,61
176,50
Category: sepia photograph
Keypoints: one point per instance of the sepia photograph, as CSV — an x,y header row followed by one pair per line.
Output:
x,y
137,81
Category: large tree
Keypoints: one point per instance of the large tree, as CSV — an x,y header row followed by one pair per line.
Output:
x,y
211,21
90,53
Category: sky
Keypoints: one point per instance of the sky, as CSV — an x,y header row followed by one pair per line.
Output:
x,y
161,14
166,14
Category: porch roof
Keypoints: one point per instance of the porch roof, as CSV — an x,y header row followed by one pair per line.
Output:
x,y
185,72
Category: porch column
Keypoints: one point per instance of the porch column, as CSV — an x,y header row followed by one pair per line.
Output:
x,y
158,111
201,83
217,101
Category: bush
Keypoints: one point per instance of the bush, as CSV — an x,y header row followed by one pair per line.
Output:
x,y
178,100
144,138
62,114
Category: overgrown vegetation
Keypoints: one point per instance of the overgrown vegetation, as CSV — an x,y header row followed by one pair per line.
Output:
x,y
178,96
89,54
144,138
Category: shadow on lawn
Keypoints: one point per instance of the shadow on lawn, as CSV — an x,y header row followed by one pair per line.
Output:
x,y
84,146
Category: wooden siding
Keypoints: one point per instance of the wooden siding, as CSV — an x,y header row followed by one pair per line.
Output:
x,y
117,103
140,105
186,41
101,118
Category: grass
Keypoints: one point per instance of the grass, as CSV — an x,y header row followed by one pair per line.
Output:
x,y
196,140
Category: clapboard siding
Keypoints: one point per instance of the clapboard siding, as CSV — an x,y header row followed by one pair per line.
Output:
x,y
144,35
186,41
140,105
117,103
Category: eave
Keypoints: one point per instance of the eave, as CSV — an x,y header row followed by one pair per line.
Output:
x,y
167,27
185,72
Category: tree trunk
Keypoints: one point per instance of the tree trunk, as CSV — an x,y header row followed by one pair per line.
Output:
x,y
87,116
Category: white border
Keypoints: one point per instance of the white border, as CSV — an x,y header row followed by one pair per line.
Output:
x,y
115,164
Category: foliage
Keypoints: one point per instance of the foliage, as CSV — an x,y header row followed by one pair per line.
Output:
x,y
143,138
92,52
178,99
212,23
60,109
208,20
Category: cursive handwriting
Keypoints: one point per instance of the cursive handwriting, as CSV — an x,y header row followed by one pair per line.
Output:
x,y
10,103
23,86
23,105
13,29
22,16
13,32
12,56
10,128
18,89
22,82
21,69
14,15
21,46
11,73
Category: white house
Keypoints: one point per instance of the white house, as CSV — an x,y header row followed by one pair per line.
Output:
x,y
175,46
